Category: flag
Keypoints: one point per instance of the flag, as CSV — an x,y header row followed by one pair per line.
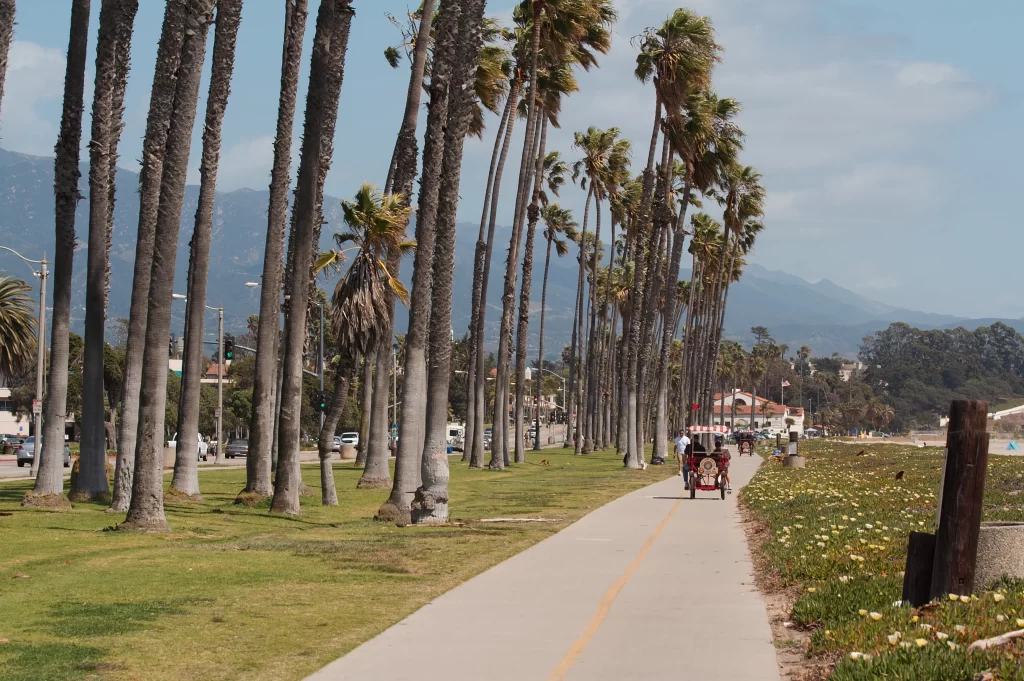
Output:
x,y
785,384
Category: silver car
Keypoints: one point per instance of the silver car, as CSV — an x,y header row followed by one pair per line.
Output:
x,y
27,450
237,448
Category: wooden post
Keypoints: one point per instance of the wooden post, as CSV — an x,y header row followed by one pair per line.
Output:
x,y
960,503
793,438
917,580
778,441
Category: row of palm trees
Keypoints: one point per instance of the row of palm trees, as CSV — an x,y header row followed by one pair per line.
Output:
x,y
629,304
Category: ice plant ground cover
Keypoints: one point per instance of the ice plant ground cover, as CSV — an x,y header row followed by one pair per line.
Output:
x,y
237,593
837,535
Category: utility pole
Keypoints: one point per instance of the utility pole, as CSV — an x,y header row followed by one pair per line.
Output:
x,y
320,363
40,361
220,383
394,384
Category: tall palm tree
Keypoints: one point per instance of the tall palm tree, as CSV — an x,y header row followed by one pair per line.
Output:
x,y
17,327
359,307
399,182
146,510
49,487
7,8
264,392
113,45
161,108
678,57
573,31
330,44
559,222
430,504
398,507
185,482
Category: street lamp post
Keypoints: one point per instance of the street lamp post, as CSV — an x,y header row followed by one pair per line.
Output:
x,y
565,436
220,372
320,363
40,351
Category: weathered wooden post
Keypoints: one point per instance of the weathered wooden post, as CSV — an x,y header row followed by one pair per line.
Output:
x,y
917,579
960,500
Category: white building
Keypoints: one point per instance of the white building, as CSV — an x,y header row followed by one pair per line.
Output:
x,y
745,412
9,422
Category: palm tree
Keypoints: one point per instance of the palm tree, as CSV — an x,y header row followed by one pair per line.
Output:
x,y
146,510
430,504
17,327
264,392
113,41
161,107
49,487
360,309
399,182
559,221
6,35
330,44
678,57
398,507
185,482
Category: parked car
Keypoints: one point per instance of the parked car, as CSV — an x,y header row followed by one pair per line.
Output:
x,y
336,444
202,454
26,452
237,448
351,439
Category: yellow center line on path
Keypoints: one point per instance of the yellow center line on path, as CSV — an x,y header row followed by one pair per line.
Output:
x,y
607,600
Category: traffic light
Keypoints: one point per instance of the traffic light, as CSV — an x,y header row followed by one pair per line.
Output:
x,y
229,349
320,401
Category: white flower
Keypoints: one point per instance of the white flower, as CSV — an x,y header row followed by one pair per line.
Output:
x,y
997,597
1000,618
942,636
844,579
894,638
876,616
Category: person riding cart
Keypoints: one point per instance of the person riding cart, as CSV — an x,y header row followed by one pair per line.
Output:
x,y
708,471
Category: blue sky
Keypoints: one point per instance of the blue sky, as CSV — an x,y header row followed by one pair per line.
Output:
x,y
887,132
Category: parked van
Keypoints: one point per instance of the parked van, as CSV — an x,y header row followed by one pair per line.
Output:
x,y
456,437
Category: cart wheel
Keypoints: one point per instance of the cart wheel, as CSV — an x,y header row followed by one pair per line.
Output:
x,y
693,488
721,485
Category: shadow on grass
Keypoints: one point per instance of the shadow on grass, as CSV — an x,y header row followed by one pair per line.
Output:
x,y
50,662
107,619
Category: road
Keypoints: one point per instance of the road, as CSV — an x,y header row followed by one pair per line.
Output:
x,y
625,593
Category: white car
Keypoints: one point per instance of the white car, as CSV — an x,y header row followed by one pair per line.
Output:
x,y
204,447
351,439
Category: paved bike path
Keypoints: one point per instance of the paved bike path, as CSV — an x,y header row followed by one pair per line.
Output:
x,y
653,586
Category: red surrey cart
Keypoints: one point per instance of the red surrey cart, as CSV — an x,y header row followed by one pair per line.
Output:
x,y
707,469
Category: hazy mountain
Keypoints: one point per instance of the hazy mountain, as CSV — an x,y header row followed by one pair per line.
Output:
x,y
825,316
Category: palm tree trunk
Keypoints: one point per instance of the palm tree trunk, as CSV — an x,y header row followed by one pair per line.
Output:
x,y
185,482
397,508
540,349
522,330
106,116
400,182
366,385
342,377
6,35
262,442
479,304
500,435
49,487
376,474
668,329
430,505
146,511
154,149
574,422
476,459
329,46
592,344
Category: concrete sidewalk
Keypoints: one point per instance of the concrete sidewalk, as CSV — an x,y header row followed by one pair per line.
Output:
x,y
651,587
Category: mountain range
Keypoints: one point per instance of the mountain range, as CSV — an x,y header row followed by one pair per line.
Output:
x,y
823,315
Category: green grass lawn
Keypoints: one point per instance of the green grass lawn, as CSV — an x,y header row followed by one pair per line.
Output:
x,y
236,593
837,534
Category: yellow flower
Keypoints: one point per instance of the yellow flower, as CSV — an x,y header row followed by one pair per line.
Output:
x,y
876,616
965,599
952,646
921,642
953,597
1020,622
811,589
914,618
862,612
997,597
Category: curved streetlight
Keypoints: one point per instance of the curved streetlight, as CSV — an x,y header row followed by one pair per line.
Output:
x,y
40,349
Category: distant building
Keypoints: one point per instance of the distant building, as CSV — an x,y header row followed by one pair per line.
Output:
x,y
745,412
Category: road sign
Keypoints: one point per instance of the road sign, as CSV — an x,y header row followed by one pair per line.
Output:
x,y
37,406
216,412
